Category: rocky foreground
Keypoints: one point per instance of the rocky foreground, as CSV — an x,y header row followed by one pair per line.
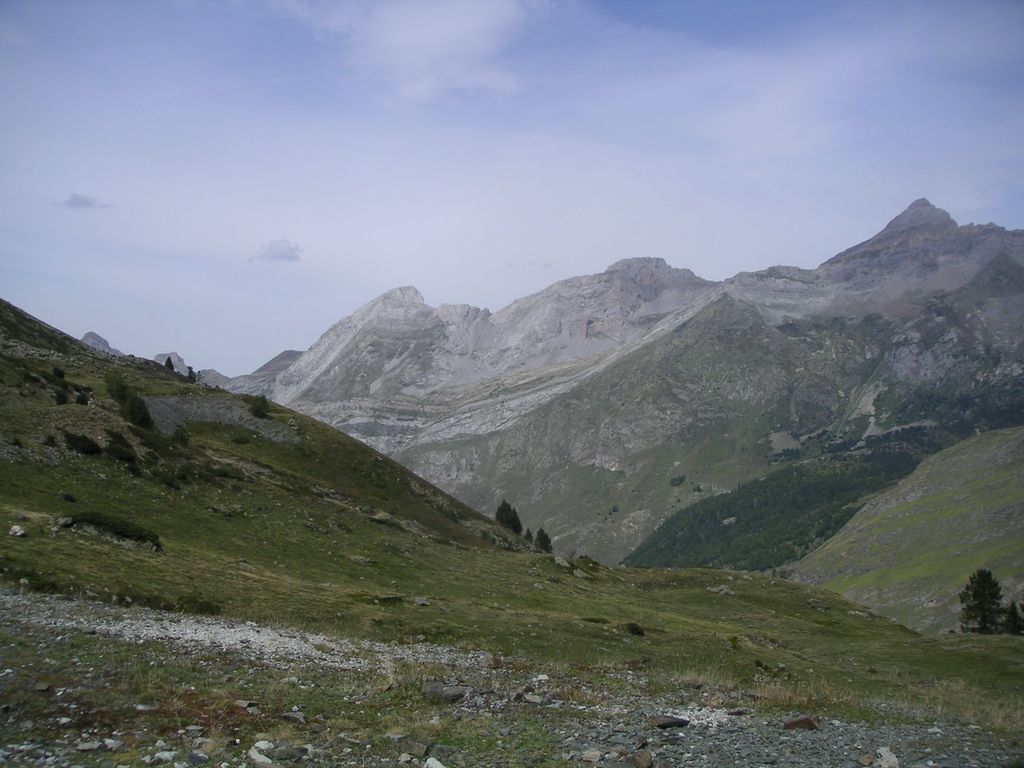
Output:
x,y
86,684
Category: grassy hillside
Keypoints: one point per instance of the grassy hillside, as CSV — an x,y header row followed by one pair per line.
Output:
x,y
286,521
908,552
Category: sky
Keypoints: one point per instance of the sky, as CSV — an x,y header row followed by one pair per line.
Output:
x,y
228,178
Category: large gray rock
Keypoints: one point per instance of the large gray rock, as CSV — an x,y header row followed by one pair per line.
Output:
x,y
100,344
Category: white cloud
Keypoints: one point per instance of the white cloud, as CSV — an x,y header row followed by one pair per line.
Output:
x,y
423,50
79,202
278,250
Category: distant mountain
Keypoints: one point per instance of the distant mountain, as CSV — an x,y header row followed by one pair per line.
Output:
x,y
605,403
257,382
97,342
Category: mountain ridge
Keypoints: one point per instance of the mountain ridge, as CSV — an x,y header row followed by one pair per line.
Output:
x,y
469,398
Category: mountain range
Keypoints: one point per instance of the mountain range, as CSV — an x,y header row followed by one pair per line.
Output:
x,y
604,404
389,605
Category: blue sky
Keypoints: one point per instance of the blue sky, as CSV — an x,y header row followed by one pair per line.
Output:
x,y
225,179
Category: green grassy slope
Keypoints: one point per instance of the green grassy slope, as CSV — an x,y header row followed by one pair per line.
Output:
x,y
287,521
768,522
909,551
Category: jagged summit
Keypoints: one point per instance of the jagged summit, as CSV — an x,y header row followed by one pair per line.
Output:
x,y
637,263
918,215
912,234
406,294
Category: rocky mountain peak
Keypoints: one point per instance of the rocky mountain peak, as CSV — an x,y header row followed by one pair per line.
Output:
x,y
97,342
397,305
638,264
406,294
920,214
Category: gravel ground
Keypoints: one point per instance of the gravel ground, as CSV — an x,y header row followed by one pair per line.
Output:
x,y
618,730
257,643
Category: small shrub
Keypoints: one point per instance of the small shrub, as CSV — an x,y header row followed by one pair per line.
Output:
x,y
50,441
676,481
260,407
117,388
136,412
117,527
634,629
69,497
82,398
169,479
180,436
58,372
60,396
198,604
240,439
119,448
84,444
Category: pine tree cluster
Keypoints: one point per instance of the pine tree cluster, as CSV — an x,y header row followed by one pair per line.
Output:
x,y
508,517
982,610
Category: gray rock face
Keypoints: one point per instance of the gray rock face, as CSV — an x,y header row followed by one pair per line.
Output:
x,y
259,382
176,360
100,344
581,402
214,378
397,367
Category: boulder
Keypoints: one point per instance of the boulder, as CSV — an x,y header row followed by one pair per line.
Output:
x,y
802,722
435,690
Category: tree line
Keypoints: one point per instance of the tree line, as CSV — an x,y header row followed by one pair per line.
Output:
x,y
982,610
508,517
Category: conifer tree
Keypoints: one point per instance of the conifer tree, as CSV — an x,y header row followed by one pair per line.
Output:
x,y
1013,624
981,604
507,517
542,540
528,536
168,364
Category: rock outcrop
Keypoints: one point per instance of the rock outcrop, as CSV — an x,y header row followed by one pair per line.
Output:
x,y
176,360
100,344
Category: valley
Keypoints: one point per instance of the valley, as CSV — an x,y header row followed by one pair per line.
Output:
x,y
277,523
